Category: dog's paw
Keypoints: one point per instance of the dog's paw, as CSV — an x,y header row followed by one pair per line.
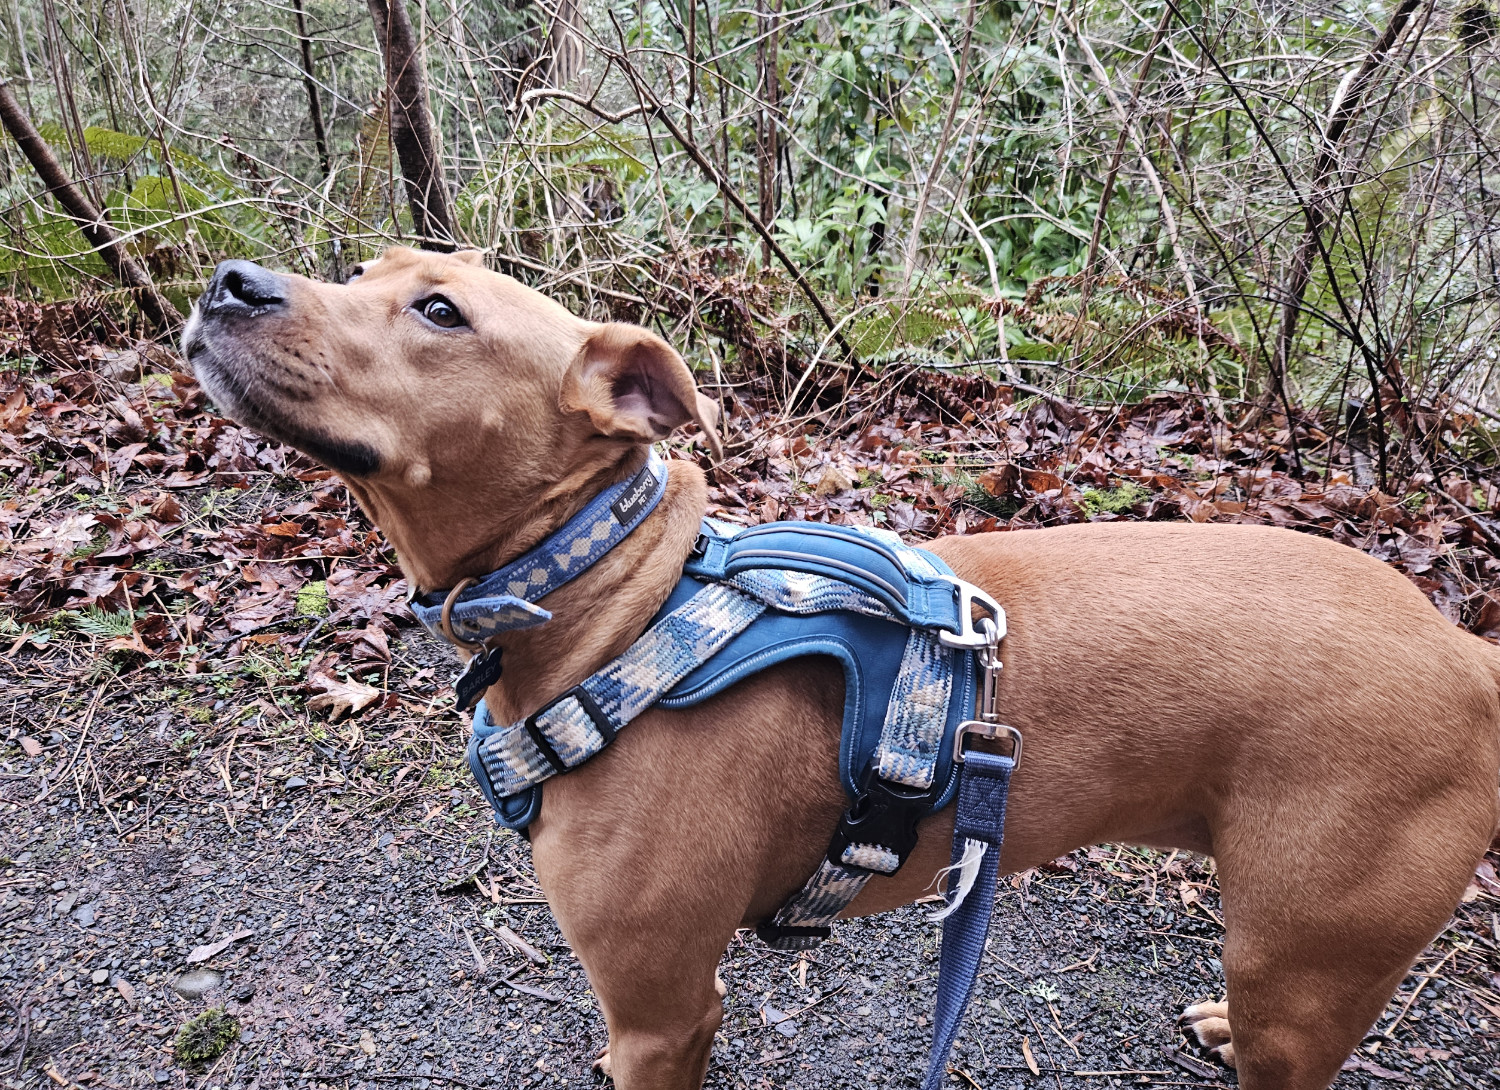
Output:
x,y
1209,1024
602,1066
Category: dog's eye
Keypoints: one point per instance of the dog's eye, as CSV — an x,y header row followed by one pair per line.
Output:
x,y
440,312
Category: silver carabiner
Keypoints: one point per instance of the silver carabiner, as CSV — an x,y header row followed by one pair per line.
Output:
x,y
988,725
969,638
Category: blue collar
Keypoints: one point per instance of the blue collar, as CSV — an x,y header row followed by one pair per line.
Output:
x,y
504,600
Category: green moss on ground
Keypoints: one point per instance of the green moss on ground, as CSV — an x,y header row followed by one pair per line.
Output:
x,y
205,1036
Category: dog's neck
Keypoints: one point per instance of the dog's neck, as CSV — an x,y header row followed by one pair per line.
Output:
x,y
602,612
597,615
452,540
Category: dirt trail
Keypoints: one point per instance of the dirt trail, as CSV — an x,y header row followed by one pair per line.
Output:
x,y
394,937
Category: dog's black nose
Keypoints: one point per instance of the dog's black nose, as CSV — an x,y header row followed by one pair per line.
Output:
x,y
242,286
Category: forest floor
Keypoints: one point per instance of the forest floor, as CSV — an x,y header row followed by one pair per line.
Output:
x,y
231,777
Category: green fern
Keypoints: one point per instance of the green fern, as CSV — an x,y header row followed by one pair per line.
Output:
x,y
903,323
108,144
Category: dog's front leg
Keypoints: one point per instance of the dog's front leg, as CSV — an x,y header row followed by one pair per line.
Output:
x,y
651,949
692,824
661,1017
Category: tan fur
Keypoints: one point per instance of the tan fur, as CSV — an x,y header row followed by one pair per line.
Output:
x,y
1288,704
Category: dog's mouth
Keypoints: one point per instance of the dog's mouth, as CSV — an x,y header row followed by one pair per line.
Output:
x,y
235,383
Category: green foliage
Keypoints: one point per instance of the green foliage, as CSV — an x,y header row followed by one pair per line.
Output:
x,y
94,621
312,599
1114,501
581,182
205,1036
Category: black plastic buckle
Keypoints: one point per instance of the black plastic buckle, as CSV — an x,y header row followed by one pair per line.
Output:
x,y
884,814
586,702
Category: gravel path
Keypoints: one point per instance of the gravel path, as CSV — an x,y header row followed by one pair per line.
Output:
x,y
364,953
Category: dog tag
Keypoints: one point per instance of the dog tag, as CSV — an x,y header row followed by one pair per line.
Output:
x,y
481,671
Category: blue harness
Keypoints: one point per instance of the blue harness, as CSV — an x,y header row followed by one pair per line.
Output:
x,y
898,621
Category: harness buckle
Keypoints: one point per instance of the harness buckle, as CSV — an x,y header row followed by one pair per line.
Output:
x,y
580,696
883,819
990,732
970,637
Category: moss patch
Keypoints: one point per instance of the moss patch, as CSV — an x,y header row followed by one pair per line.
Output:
x,y
206,1036
312,599
1114,501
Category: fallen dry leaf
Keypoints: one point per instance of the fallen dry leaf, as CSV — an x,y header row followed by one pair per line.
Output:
x,y
203,953
32,747
341,697
1000,481
1028,1057
833,481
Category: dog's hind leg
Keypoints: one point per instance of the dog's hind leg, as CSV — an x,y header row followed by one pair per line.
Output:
x,y
1319,936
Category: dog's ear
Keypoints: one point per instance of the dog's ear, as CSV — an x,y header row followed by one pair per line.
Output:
x,y
470,257
633,385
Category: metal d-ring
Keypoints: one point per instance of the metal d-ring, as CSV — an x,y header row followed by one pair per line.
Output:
x,y
445,624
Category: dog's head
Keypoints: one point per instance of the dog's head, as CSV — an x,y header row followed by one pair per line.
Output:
x,y
436,388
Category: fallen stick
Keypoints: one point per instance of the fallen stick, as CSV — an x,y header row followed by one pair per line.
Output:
x,y
157,309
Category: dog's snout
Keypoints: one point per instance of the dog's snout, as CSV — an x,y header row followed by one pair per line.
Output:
x,y
242,286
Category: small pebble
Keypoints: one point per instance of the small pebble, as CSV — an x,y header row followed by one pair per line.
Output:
x,y
195,982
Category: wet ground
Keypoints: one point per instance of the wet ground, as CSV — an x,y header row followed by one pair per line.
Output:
x,y
339,890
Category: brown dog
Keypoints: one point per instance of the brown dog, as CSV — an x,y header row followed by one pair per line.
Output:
x,y
1286,704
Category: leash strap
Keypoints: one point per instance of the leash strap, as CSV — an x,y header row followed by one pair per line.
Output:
x,y
504,600
983,785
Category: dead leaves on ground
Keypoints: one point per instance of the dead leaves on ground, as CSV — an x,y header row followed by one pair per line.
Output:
x,y
136,517
133,516
950,454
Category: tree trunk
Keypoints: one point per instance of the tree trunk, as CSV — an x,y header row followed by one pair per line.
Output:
x,y
309,80
157,309
411,125
566,44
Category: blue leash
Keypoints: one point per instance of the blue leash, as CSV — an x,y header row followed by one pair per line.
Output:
x,y
982,788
